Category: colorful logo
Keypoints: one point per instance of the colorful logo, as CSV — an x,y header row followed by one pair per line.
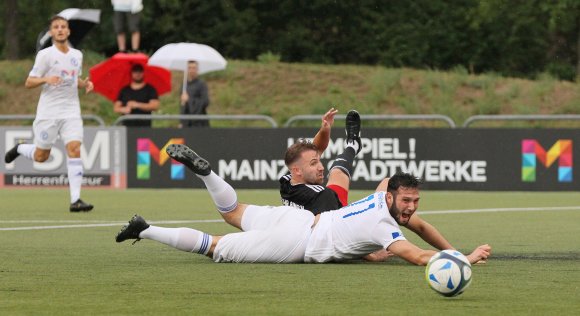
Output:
x,y
532,152
146,149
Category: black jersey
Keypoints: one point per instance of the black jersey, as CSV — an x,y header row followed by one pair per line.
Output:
x,y
315,198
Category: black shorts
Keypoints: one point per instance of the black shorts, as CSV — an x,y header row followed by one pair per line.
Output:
x,y
132,19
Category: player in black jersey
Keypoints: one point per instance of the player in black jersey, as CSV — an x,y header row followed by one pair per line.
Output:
x,y
303,187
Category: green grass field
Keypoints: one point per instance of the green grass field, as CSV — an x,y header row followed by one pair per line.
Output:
x,y
53,262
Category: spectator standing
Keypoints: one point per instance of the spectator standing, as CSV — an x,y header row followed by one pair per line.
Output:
x,y
138,97
195,98
127,13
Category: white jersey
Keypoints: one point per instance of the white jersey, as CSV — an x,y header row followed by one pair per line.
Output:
x,y
60,101
353,231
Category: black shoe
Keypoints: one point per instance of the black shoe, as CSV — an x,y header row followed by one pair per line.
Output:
x,y
80,206
136,225
12,154
189,158
352,127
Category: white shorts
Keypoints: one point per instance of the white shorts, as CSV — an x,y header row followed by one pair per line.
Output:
x,y
271,234
46,132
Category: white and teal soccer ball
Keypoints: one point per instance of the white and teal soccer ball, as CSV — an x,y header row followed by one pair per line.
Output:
x,y
448,273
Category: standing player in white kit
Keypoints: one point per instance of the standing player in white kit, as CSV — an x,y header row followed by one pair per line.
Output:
x,y
288,235
58,69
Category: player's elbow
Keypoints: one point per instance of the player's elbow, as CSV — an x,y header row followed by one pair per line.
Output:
x,y
28,84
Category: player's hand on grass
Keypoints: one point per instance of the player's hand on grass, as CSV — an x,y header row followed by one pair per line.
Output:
x,y
480,253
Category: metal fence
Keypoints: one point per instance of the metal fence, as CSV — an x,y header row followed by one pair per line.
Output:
x,y
379,117
292,120
530,117
208,117
22,117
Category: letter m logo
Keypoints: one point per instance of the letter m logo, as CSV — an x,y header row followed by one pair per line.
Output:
x,y
532,152
146,150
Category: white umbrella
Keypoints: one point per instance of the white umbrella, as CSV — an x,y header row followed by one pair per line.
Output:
x,y
80,21
176,56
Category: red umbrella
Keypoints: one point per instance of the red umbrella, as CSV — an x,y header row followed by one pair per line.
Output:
x,y
111,75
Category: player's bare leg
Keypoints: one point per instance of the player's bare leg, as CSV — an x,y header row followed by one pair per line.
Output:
x,y
41,155
222,193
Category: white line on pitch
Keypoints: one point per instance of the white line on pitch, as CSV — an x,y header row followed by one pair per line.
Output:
x,y
108,224
507,209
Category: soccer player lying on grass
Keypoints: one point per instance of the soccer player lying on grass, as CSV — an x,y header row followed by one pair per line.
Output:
x,y
287,235
302,187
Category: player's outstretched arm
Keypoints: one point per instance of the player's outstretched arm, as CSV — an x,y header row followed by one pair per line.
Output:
x,y
411,253
480,253
428,233
379,256
322,138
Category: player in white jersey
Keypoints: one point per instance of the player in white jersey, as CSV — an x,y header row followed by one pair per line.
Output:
x,y
58,69
288,235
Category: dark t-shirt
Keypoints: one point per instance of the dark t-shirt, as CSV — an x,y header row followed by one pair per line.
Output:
x,y
315,198
143,95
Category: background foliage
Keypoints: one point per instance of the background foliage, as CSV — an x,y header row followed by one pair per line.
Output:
x,y
512,38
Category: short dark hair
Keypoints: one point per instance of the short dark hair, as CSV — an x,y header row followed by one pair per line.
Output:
x,y
192,62
294,152
137,68
55,18
405,180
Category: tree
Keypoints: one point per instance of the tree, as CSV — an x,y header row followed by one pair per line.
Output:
x,y
11,34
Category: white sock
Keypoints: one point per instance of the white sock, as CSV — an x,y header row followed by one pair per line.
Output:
x,y
353,145
222,193
75,177
185,239
27,150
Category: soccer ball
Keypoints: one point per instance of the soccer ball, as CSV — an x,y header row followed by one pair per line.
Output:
x,y
448,273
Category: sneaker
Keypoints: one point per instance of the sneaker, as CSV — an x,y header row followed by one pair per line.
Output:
x,y
352,127
189,158
80,206
12,154
136,225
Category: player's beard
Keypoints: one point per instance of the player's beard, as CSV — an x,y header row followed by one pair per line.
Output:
x,y
396,213
314,179
139,80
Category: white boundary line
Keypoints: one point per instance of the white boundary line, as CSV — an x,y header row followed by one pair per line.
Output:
x,y
100,225
507,209
96,223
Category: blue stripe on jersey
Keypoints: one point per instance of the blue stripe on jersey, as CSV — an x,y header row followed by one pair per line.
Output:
x,y
368,198
371,206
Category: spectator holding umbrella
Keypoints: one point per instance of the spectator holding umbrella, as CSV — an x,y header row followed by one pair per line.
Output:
x,y
194,98
138,97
